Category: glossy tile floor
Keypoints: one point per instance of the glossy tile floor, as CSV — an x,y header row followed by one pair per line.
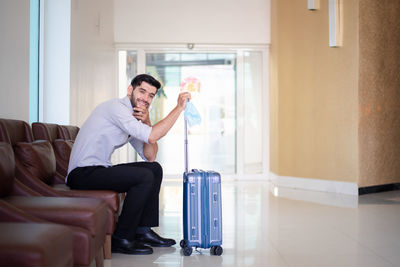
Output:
x,y
268,226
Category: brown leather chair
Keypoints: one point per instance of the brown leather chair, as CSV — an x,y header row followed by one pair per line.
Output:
x,y
68,132
14,131
85,217
17,131
35,167
35,245
86,248
62,147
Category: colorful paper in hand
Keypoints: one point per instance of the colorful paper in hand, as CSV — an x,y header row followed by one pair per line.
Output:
x,y
190,84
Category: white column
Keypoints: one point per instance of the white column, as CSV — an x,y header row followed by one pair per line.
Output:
x,y
55,97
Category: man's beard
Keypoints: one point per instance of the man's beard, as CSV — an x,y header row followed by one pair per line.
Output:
x,y
142,103
132,101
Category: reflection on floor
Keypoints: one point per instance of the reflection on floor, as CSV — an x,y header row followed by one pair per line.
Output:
x,y
268,226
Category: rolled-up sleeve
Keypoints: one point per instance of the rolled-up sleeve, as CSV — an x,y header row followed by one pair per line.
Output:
x,y
138,146
136,129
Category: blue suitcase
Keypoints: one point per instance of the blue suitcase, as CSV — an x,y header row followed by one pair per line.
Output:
x,y
202,221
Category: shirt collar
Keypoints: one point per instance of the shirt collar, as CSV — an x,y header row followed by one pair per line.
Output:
x,y
127,102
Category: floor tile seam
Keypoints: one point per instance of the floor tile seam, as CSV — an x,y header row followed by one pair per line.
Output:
x,y
368,248
279,253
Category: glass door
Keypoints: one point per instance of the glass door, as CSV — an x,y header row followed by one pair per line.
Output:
x,y
228,89
212,82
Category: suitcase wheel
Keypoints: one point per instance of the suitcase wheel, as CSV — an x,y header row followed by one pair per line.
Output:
x,y
187,251
183,243
216,250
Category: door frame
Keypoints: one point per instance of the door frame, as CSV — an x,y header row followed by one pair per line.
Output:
x,y
143,48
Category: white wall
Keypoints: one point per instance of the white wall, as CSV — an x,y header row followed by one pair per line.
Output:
x,y
96,26
93,69
14,59
192,21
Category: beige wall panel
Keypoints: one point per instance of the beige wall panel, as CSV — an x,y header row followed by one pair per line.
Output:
x,y
14,59
379,92
315,88
274,96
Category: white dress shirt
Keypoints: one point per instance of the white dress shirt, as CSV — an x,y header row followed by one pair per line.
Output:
x,y
110,126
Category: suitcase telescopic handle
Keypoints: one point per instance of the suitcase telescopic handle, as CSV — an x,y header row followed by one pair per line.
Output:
x,y
186,147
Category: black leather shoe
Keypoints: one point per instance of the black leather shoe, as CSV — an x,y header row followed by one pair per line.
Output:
x,y
120,245
151,238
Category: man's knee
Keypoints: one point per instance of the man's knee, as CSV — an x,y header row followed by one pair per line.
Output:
x,y
147,178
157,168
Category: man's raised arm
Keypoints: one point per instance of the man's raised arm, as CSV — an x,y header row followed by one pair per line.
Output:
x,y
162,127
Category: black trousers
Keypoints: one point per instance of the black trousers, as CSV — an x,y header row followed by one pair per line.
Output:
x,y
140,180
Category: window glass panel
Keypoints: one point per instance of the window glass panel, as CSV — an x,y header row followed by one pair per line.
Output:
x,y
34,62
127,61
212,144
193,57
168,57
127,70
253,144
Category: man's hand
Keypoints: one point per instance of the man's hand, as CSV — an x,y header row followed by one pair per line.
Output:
x,y
142,114
182,99
162,127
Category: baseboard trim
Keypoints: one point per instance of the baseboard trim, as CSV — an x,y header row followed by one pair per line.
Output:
x,y
378,188
338,187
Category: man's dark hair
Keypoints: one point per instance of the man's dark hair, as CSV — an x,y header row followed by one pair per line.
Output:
x,y
145,78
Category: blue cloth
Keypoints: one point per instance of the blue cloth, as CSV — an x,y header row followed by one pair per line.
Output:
x,y
192,116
